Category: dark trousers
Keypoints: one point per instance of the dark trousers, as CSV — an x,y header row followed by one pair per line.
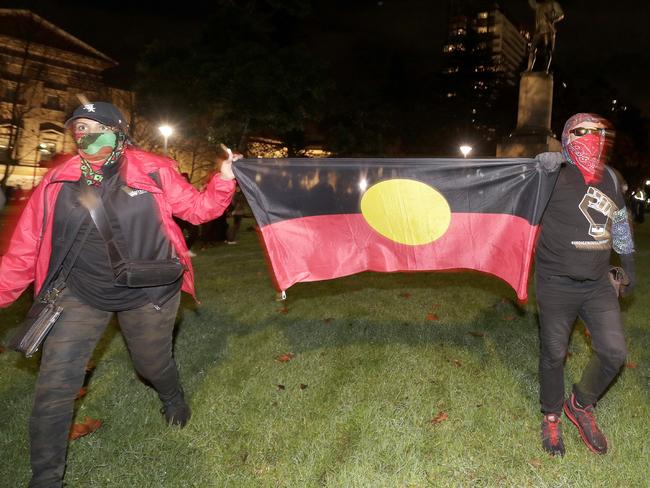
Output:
x,y
234,228
66,352
560,301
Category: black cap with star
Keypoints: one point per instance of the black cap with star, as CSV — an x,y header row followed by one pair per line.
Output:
x,y
106,113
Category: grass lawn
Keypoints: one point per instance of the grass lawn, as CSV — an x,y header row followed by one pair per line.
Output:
x,y
397,380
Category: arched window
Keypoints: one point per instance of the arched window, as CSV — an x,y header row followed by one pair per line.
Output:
x,y
50,140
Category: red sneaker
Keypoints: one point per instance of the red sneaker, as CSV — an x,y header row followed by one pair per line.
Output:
x,y
585,420
552,435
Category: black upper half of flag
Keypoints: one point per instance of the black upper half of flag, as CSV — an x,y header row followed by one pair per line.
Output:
x,y
281,189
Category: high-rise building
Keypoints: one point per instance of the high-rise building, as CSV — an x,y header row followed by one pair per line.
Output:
x,y
483,57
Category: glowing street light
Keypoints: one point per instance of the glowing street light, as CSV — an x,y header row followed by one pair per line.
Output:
x,y
465,150
166,131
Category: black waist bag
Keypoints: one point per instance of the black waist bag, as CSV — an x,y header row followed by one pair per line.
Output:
x,y
146,273
130,273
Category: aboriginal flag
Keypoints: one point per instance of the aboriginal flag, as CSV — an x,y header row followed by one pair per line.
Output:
x,y
326,218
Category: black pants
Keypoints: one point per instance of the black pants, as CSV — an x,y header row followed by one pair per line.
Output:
x,y
560,301
234,228
67,349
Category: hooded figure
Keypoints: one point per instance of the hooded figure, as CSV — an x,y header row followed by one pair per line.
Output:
x,y
587,140
584,220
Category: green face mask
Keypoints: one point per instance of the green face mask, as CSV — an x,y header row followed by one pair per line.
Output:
x,y
92,143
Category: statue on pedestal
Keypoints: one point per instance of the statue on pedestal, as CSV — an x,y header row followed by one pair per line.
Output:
x,y
547,14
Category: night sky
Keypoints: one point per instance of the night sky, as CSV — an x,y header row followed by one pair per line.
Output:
x,y
598,38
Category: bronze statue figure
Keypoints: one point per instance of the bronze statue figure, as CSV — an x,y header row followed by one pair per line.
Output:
x,y
547,14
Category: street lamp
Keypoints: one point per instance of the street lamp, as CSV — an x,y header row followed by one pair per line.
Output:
x,y
465,149
166,131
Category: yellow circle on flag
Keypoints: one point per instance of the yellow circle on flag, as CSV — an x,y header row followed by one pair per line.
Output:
x,y
406,211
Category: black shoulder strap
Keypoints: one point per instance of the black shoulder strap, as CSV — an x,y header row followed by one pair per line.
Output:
x,y
614,177
58,283
93,203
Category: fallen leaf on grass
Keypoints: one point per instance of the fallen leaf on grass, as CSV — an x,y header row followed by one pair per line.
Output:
x,y
631,365
535,463
456,363
328,320
78,430
586,333
302,386
93,424
569,354
88,426
477,333
2,349
280,387
82,392
508,318
439,418
406,295
432,316
285,358
90,366
435,305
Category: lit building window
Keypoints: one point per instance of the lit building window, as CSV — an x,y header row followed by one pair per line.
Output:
x,y
483,15
451,94
449,48
47,150
482,29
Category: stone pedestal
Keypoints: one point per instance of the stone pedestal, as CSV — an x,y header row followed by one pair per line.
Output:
x,y
533,134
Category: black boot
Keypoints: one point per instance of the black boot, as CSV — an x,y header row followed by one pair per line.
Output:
x,y
176,410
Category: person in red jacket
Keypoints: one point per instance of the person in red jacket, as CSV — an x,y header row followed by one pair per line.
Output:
x,y
55,236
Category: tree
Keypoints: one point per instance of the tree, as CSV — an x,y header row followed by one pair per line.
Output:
x,y
253,77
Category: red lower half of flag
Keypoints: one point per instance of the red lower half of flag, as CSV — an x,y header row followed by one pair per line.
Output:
x,y
330,246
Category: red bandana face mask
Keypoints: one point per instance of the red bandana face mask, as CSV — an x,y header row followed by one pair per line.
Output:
x,y
588,152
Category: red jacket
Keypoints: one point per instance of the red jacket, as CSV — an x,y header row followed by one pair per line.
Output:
x,y
28,256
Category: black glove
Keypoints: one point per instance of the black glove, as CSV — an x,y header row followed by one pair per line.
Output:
x,y
549,162
627,262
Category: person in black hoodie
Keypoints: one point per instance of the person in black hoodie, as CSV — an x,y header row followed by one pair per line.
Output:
x,y
585,219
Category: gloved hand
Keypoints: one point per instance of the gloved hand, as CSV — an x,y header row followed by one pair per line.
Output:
x,y
549,162
627,262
